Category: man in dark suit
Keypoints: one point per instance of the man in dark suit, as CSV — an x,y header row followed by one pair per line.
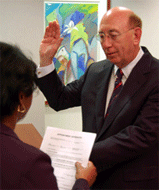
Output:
x,y
126,148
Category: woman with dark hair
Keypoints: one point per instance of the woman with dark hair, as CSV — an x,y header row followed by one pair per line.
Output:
x,y
18,81
23,166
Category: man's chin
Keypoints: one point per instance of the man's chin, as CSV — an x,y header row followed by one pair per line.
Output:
x,y
112,59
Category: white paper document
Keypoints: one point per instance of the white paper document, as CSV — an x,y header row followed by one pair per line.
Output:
x,y
65,147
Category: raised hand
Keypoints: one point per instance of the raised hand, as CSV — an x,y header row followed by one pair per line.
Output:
x,y
50,43
89,173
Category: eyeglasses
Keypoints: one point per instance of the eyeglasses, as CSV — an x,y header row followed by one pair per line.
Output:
x,y
113,35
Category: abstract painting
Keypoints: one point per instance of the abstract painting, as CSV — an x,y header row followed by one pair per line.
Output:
x,y
78,26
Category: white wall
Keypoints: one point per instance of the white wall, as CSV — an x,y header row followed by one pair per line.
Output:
x,y
22,23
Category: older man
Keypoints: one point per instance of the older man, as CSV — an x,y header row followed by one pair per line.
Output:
x,y
125,114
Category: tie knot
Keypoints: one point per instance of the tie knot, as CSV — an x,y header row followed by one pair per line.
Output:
x,y
119,73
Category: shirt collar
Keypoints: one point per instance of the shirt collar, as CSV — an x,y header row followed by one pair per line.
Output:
x,y
127,70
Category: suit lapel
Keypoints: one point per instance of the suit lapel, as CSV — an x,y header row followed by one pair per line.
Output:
x,y
132,85
101,97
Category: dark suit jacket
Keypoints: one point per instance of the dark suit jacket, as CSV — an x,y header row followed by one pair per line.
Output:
x,y
25,167
126,148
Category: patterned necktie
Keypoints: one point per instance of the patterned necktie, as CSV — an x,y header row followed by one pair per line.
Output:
x,y
117,88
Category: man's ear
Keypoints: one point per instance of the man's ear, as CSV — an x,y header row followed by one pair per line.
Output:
x,y
137,35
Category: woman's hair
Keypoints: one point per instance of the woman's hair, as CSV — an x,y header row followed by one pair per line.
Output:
x,y
18,74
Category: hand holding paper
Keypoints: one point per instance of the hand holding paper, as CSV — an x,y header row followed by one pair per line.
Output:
x,y
89,173
65,148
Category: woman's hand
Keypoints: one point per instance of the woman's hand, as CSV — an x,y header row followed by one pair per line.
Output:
x,y
89,173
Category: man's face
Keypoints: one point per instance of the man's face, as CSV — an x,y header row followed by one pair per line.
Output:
x,y
117,40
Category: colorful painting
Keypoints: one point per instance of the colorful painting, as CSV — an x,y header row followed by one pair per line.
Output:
x,y
78,25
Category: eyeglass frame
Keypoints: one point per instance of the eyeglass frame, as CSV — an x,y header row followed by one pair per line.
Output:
x,y
110,35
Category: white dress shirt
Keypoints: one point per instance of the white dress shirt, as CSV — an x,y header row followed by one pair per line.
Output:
x,y
43,71
126,71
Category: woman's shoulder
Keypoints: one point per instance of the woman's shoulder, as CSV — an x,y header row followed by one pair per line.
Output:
x,y
13,147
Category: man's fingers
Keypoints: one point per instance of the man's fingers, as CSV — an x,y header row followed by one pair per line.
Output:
x,y
52,30
90,164
78,165
57,30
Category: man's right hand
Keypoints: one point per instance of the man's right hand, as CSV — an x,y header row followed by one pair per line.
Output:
x,y
89,173
50,44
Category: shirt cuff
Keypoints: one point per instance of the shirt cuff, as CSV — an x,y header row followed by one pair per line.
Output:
x,y
43,71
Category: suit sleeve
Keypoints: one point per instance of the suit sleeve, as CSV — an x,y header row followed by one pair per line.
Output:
x,y
81,184
41,176
59,96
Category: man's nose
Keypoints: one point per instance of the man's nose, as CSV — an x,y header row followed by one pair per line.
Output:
x,y
107,43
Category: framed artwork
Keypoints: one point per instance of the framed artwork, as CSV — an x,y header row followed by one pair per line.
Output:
x,y
108,4
78,26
